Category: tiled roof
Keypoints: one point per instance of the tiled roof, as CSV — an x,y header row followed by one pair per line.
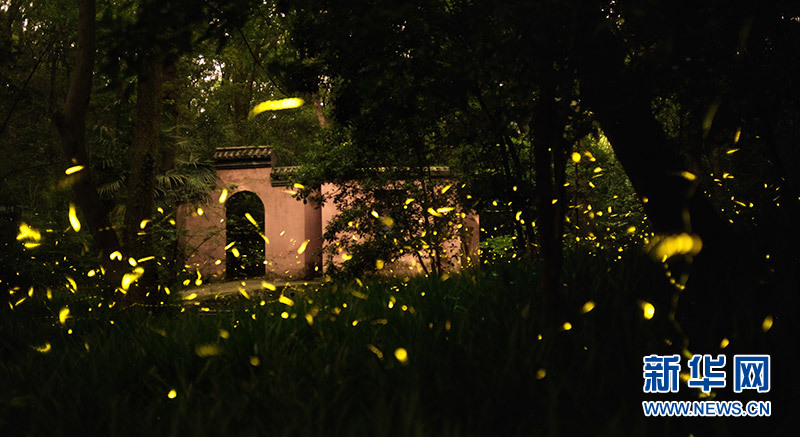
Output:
x,y
285,170
281,176
238,157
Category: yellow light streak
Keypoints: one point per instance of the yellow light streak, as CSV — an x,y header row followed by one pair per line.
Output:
x,y
73,218
45,348
302,247
28,233
250,219
275,105
285,300
63,315
74,169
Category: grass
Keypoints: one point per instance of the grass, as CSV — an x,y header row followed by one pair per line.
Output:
x,y
476,363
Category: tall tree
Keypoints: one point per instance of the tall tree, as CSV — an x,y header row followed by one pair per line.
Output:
x,y
71,125
144,166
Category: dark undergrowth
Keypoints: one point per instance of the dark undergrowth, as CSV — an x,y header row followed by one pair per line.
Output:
x,y
476,362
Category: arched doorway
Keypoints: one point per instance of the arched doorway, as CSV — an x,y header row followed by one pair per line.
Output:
x,y
244,230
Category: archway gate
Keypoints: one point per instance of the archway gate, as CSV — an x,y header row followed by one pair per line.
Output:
x,y
288,223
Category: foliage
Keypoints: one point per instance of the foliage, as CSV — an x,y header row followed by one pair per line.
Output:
x,y
390,212
477,363
500,248
604,208
245,235
60,253
383,224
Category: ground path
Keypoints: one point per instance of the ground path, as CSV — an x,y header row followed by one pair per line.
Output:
x,y
250,286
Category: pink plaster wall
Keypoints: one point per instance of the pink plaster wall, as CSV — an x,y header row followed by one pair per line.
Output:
x,y
288,222
202,239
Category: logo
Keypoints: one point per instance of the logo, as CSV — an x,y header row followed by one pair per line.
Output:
x,y
661,373
710,376
750,372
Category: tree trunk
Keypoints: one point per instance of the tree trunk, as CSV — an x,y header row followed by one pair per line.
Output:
x,y
11,16
138,243
172,97
318,109
71,125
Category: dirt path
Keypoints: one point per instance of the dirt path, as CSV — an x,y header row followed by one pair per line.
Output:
x,y
250,286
